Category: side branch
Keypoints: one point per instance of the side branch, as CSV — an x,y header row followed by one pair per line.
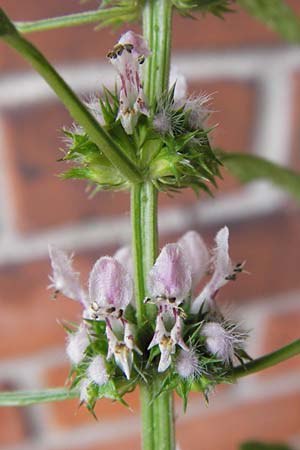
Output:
x,y
102,16
269,360
24,398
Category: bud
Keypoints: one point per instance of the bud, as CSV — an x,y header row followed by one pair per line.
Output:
x,y
97,372
83,389
219,341
77,345
198,110
187,364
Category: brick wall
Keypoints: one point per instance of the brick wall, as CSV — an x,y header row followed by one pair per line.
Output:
x,y
255,78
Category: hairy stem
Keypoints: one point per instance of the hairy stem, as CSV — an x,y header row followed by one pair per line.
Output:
x,y
75,107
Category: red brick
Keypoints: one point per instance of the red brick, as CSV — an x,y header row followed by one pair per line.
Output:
x,y
296,120
280,330
13,423
126,444
270,248
81,43
234,111
67,414
237,30
269,420
40,198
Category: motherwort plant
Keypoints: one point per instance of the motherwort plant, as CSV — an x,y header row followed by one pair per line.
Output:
x,y
145,322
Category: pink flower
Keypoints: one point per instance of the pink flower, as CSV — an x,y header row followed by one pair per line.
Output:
x,y
139,45
166,345
169,280
176,76
124,256
167,341
110,288
196,253
64,279
224,271
122,353
129,338
126,57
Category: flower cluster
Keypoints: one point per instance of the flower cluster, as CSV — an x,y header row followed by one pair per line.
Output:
x,y
189,341
168,140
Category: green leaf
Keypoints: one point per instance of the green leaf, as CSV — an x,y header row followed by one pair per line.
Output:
x,y
183,389
277,15
249,168
24,398
253,445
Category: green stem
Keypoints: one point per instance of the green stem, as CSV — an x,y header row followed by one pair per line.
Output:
x,y
77,110
269,360
157,19
144,250
147,419
137,250
164,421
157,24
70,20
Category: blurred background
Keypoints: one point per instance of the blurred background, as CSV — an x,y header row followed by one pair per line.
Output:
x,y
255,80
